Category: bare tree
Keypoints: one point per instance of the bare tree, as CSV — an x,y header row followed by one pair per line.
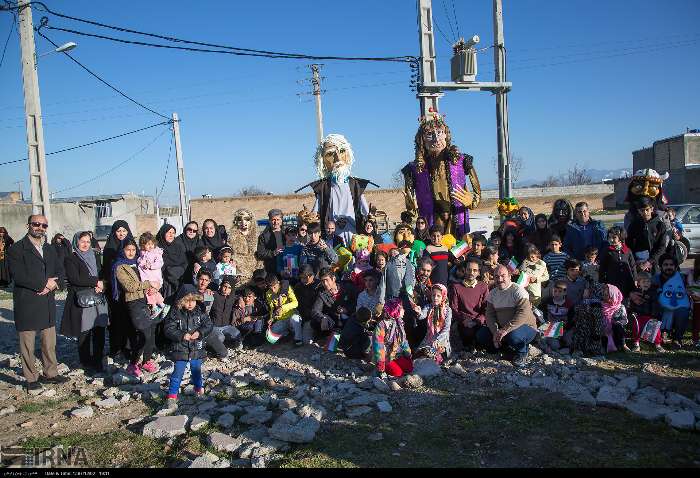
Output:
x,y
251,191
550,181
516,167
397,180
577,176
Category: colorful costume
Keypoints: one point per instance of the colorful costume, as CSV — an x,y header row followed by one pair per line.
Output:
x,y
435,182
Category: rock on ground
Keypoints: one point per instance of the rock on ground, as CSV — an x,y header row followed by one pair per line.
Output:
x,y
83,412
426,368
226,420
290,427
384,407
198,422
613,397
223,442
684,420
646,409
166,427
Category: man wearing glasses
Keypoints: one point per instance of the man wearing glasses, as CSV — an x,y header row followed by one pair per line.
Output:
x,y
37,273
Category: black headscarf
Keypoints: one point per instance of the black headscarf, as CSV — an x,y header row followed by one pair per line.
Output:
x,y
173,252
422,234
189,244
213,243
114,246
529,225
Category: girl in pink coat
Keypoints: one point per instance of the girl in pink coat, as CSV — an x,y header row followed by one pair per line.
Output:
x,y
150,262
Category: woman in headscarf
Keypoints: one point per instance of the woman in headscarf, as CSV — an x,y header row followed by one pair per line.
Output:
x,y
190,240
211,237
527,219
438,317
119,323
422,230
61,246
541,236
87,324
5,243
174,262
370,229
614,317
244,242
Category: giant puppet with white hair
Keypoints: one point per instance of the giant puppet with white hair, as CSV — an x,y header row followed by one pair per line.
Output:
x,y
339,196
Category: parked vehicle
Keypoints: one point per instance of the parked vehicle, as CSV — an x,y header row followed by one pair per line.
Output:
x,y
689,217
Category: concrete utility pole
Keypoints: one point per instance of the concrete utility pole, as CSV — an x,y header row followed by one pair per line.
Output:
x,y
38,183
504,185
428,67
184,210
316,82
430,89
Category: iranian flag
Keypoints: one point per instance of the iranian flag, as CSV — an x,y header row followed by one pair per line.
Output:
x,y
271,336
459,249
553,329
523,279
512,264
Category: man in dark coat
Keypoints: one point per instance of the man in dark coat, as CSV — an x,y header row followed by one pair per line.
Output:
x,y
334,303
37,273
271,242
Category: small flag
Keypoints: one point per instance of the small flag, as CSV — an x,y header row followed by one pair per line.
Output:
x,y
553,329
271,336
512,264
523,280
460,249
332,344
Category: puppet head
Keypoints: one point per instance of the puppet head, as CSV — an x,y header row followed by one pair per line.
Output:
x,y
434,140
673,294
507,206
403,232
362,257
306,216
647,183
334,158
562,212
244,222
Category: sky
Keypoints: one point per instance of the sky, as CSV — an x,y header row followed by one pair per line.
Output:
x,y
592,81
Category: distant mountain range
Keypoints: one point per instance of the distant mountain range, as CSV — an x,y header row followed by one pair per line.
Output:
x,y
597,176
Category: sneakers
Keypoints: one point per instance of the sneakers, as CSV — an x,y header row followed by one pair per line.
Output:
x,y
298,343
134,370
636,347
659,349
171,402
199,392
31,386
625,348
676,345
150,366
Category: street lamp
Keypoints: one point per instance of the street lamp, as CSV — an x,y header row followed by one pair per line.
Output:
x,y
63,48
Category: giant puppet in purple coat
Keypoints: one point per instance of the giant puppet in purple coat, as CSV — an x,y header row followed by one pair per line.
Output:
x,y
435,183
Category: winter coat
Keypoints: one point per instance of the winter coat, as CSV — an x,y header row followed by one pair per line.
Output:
x,y
150,264
285,300
132,285
618,267
306,296
326,306
394,286
30,272
78,278
221,312
317,257
574,240
267,245
181,321
539,271
649,236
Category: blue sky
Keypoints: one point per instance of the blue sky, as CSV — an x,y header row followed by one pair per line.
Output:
x,y
592,81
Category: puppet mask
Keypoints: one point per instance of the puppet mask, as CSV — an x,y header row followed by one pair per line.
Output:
x,y
673,294
362,242
562,211
334,158
434,139
403,232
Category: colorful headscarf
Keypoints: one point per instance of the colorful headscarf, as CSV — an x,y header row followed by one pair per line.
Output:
x,y
437,323
608,309
394,309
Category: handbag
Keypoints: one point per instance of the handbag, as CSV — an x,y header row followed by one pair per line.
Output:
x,y
89,298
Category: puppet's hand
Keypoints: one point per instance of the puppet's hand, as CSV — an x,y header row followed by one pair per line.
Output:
x,y
463,196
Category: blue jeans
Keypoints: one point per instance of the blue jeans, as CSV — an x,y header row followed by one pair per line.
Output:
x,y
678,322
516,340
176,377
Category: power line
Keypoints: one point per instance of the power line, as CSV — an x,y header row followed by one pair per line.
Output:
x,y
105,82
454,14
167,166
219,48
92,142
449,21
12,28
115,167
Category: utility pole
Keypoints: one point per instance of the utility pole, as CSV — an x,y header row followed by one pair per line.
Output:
x,y
428,67
504,185
464,79
184,210
38,183
19,183
316,82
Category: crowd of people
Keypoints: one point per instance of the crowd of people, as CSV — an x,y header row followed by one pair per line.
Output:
x,y
562,283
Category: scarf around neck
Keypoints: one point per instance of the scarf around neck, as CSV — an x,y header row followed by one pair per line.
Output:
x,y
120,261
88,257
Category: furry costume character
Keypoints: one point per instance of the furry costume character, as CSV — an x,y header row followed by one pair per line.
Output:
x,y
339,196
562,212
244,241
646,183
435,182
